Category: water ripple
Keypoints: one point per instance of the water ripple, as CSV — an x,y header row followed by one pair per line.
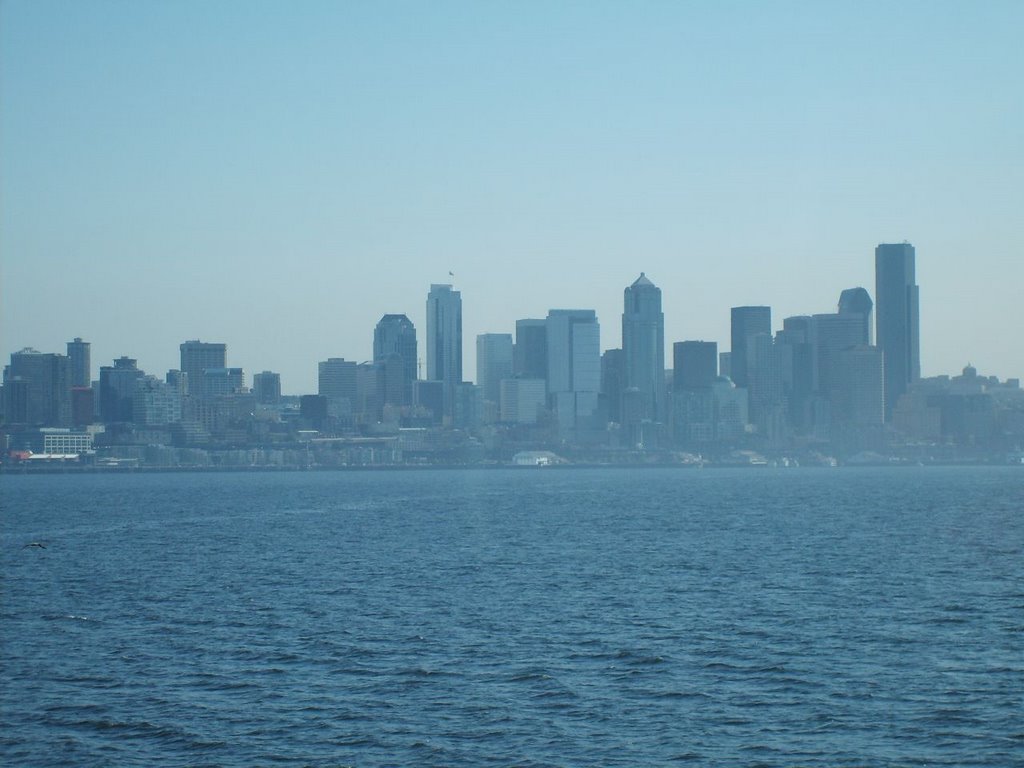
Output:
x,y
514,619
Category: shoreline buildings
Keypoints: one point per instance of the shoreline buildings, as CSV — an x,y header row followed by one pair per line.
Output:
x,y
817,386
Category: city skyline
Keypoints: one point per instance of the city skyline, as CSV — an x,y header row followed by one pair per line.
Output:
x,y
818,382
282,177
198,353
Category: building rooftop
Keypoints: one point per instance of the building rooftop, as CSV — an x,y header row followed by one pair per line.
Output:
x,y
642,280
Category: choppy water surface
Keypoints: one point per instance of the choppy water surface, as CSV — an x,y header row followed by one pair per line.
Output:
x,y
527,618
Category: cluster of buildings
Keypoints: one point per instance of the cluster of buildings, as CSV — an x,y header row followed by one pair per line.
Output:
x,y
844,384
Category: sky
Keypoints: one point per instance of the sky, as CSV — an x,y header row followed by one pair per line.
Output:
x,y
279,175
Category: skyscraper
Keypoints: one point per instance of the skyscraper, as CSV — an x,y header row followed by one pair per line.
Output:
x,y
694,364
81,368
694,374
797,336
857,400
830,335
857,396
898,323
493,363
266,386
223,381
42,382
395,348
746,323
83,406
530,357
766,374
574,366
117,387
155,403
444,341
336,380
613,382
368,406
643,346
198,356
522,400
857,301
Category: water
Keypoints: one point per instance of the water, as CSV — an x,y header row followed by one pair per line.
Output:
x,y
527,618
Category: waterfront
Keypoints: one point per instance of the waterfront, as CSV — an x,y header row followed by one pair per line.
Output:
x,y
593,617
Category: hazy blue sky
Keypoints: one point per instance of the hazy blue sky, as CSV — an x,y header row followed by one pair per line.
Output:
x,y
278,175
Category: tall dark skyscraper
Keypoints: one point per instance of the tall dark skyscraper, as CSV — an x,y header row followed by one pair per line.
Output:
x,y
530,356
747,322
643,345
444,341
613,382
898,319
396,349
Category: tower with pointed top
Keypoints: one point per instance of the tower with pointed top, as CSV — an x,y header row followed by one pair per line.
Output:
x,y
643,346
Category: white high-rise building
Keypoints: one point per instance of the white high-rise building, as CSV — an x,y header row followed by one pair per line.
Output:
x,y
155,403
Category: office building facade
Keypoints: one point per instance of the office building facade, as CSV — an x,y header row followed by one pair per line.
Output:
x,y
574,367
857,302
493,363
266,386
694,364
37,387
530,357
117,389
747,322
522,400
197,357
336,380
